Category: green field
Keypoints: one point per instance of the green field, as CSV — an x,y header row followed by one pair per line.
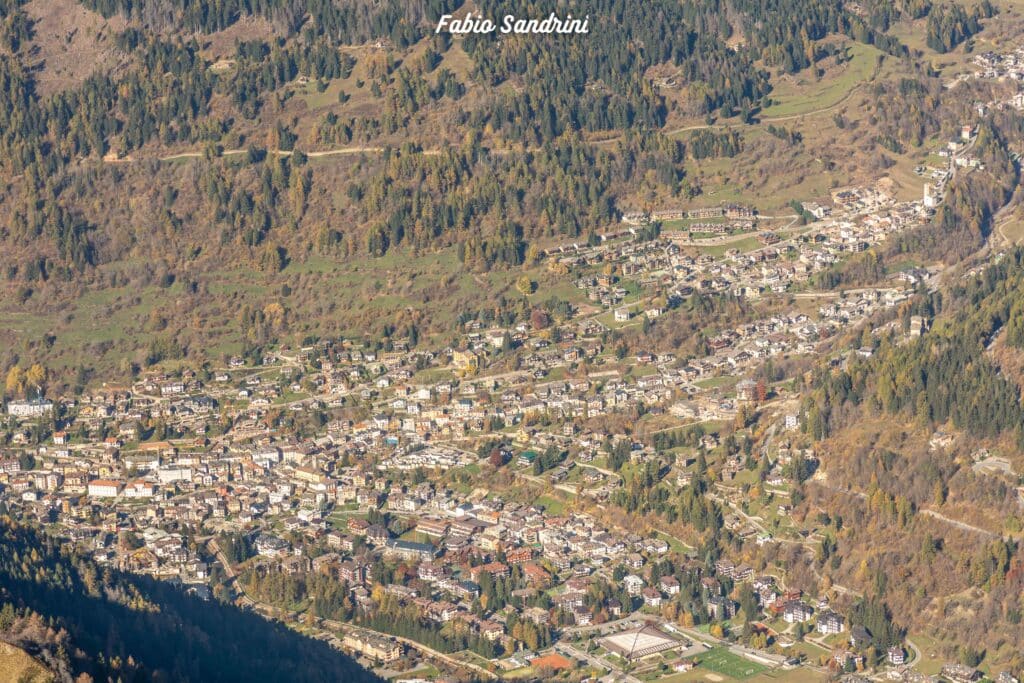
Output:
x,y
722,661
723,381
551,504
744,245
800,674
427,671
433,376
417,537
101,326
932,656
804,95
674,544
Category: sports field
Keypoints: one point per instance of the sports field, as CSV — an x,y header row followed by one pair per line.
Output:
x,y
720,660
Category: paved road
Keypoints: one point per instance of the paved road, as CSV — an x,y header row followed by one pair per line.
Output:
x,y
821,481
265,609
278,152
571,651
1002,218
957,523
246,601
222,558
344,151
607,626
458,663
916,658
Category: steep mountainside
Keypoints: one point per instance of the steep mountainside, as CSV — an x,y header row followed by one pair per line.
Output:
x,y
186,179
83,618
889,470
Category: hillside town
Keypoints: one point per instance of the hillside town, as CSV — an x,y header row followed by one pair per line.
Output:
x,y
340,486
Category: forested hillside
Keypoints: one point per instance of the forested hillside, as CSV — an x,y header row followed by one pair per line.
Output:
x,y
92,620
738,279
946,375
529,92
883,474
293,140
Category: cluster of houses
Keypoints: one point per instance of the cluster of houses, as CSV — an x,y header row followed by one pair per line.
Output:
x,y
135,505
134,473
730,212
864,217
131,505
994,65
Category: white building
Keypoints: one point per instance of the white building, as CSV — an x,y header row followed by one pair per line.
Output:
x,y
139,489
168,475
104,488
36,407
816,209
830,622
930,200
172,389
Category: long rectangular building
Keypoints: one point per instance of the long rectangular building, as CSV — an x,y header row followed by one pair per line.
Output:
x,y
380,648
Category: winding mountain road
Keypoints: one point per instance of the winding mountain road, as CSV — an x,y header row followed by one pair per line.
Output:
x,y
346,151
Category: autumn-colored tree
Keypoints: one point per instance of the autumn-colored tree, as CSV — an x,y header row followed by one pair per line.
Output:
x,y
35,377
525,285
275,315
15,381
761,391
497,458
540,319
300,186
